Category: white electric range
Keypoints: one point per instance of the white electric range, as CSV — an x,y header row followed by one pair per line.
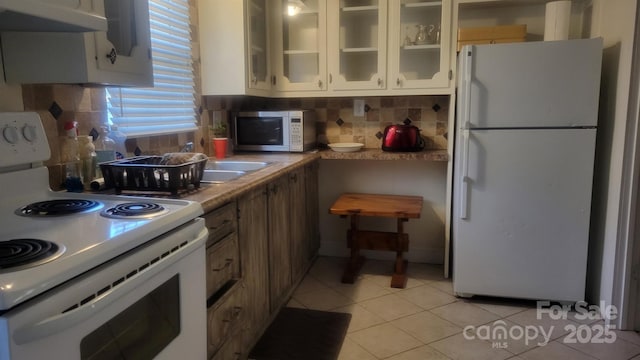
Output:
x,y
85,275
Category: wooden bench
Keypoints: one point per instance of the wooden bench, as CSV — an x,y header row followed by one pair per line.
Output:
x,y
356,205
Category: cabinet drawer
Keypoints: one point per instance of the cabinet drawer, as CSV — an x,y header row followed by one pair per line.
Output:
x,y
223,263
232,349
221,222
224,318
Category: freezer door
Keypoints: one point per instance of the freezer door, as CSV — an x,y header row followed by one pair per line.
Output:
x,y
521,213
533,84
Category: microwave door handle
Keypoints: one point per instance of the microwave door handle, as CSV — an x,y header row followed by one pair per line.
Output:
x,y
60,322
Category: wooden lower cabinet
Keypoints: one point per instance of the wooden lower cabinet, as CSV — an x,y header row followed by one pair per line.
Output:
x,y
254,252
275,228
234,348
312,210
225,317
225,289
223,263
298,224
278,195
221,222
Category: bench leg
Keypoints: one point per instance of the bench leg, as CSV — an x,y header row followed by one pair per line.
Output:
x,y
399,277
355,261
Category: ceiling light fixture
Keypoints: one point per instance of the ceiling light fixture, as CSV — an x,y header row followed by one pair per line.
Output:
x,y
293,10
294,7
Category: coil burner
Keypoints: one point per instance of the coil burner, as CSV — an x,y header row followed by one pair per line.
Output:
x,y
58,207
22,253
134,210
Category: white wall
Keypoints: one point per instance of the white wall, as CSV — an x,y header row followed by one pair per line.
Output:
x,y
614,21
397,177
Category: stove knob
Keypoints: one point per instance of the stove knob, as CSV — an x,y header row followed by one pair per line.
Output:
x,y
29,133
10,134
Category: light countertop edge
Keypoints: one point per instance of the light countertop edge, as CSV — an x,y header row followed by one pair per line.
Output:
x,y
212,196
378,154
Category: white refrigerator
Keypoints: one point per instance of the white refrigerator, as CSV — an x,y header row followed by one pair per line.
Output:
x,y
523,168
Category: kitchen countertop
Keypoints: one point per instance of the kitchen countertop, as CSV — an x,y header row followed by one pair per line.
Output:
x,y
212,196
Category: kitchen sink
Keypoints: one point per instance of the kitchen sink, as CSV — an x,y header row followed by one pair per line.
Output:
x,y
220,171
233,165
220,176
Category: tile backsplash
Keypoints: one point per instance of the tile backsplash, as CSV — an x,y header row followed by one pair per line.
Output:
x,y
58,104
336,120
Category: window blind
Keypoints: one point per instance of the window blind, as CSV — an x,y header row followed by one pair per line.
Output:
x,y
169,106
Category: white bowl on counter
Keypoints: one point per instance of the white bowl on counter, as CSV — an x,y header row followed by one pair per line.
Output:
x,y
346,147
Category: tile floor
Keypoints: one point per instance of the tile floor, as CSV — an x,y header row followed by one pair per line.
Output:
x,y
425,321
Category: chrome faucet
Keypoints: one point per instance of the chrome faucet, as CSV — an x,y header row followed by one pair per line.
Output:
x,y
188,147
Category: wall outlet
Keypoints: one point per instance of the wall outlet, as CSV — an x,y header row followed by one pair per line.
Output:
x,y
358,107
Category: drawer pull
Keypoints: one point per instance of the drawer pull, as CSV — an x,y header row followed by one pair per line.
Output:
x,y
222,224
235,314
227,262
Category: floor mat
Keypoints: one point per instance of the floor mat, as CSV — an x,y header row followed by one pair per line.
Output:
x,y
297,334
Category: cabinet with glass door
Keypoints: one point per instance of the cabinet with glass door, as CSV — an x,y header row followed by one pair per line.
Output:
x,y
258,45
300,45
234,47
419,40
357,44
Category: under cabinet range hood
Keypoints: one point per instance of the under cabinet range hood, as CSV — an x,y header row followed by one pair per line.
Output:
x,y
51,15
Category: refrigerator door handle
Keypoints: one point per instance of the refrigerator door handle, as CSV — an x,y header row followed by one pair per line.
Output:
x,y
466,85
464,128
464,176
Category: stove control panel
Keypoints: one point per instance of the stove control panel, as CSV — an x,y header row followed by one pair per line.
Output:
x,y
22,139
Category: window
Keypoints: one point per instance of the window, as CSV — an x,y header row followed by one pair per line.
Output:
x,y
168,107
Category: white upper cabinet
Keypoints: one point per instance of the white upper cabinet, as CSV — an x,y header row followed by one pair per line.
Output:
x,y
300,45
120,56
125,48
325,47
258,45
357,40
419,40
235,47
51,15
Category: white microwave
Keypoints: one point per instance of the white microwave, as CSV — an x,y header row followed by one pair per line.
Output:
x,y
287,131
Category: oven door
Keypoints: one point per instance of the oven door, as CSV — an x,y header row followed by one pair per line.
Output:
x,y
261,131
149,303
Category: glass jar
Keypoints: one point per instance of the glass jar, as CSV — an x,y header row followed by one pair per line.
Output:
x,y
71,159
88,159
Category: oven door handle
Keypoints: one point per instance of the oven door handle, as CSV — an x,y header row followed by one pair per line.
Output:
x,y
60,322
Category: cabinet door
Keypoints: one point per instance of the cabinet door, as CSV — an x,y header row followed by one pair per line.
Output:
x,y
223,264
297,210
312,209
300,36
357,44
225,318
119,57
419,43
126,45
258,45
233,349
252,235
279,241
